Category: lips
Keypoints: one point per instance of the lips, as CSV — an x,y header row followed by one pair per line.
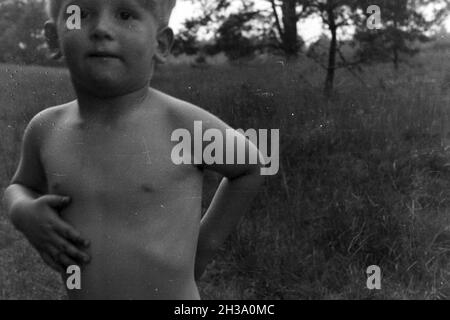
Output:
x,y
103,55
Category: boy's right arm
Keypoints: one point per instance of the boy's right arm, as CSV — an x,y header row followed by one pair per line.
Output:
x,y
36,214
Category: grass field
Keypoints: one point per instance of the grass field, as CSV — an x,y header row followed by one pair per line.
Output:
x,y
364,179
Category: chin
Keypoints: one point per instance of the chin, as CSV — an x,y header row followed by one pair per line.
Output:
x,y
103,90
105,86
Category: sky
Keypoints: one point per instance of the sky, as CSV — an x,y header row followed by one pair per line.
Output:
x,y
310,30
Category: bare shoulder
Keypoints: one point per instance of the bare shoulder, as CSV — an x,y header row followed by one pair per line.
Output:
x,y
45,120
30,171
183,114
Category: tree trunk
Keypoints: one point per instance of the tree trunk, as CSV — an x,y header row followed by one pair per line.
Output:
x,y
331,68
277,19
290,36
396,59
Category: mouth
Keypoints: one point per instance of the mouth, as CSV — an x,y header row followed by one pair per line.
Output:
x,y
103,55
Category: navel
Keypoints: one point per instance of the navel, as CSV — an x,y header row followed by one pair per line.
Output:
x,y
55,186
146,188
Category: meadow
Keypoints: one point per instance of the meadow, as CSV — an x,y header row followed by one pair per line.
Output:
x,y
364,178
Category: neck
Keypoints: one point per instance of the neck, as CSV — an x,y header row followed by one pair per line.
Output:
x,y
109,109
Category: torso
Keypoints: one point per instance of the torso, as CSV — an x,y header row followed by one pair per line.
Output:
x,y
140,212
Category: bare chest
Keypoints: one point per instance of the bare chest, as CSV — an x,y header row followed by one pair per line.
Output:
x,y
112,164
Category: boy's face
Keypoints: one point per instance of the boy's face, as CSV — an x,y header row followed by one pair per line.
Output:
x,y
114,51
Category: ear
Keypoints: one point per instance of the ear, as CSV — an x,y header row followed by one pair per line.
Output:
x,y
165,40
51,36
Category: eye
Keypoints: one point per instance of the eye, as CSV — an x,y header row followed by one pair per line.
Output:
x,y
84,13
125,15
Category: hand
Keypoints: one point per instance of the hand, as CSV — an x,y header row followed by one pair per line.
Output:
x,y
57,242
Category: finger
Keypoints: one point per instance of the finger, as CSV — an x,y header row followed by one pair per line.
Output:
x,y
66,247
66,261
55,201
54,256
52,264
61,258
68,232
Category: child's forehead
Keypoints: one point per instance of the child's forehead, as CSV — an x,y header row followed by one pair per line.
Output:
x,y
148,4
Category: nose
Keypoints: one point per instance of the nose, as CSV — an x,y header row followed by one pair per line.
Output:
x,y
103,28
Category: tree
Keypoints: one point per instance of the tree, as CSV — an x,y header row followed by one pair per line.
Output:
x,y
233,32
287,25
21,31
403,24
186,40
335,14
231,37
283,17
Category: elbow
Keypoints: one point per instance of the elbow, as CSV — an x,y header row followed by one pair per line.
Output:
x,y
252,173
8,203
6,196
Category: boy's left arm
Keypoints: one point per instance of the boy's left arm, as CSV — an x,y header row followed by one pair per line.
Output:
x,y
232,199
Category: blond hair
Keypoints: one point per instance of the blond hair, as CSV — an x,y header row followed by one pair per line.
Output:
x,y
161,8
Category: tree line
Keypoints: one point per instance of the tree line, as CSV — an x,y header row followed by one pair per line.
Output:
x,y
403,24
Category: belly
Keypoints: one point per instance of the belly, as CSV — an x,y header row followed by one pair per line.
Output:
x,y
140,248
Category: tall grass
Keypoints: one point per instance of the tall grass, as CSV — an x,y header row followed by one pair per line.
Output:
x,y
364,179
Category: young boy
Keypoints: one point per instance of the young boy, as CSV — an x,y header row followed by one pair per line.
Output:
x,y
96,185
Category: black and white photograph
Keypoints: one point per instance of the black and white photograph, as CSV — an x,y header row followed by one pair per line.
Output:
x,y
225,150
